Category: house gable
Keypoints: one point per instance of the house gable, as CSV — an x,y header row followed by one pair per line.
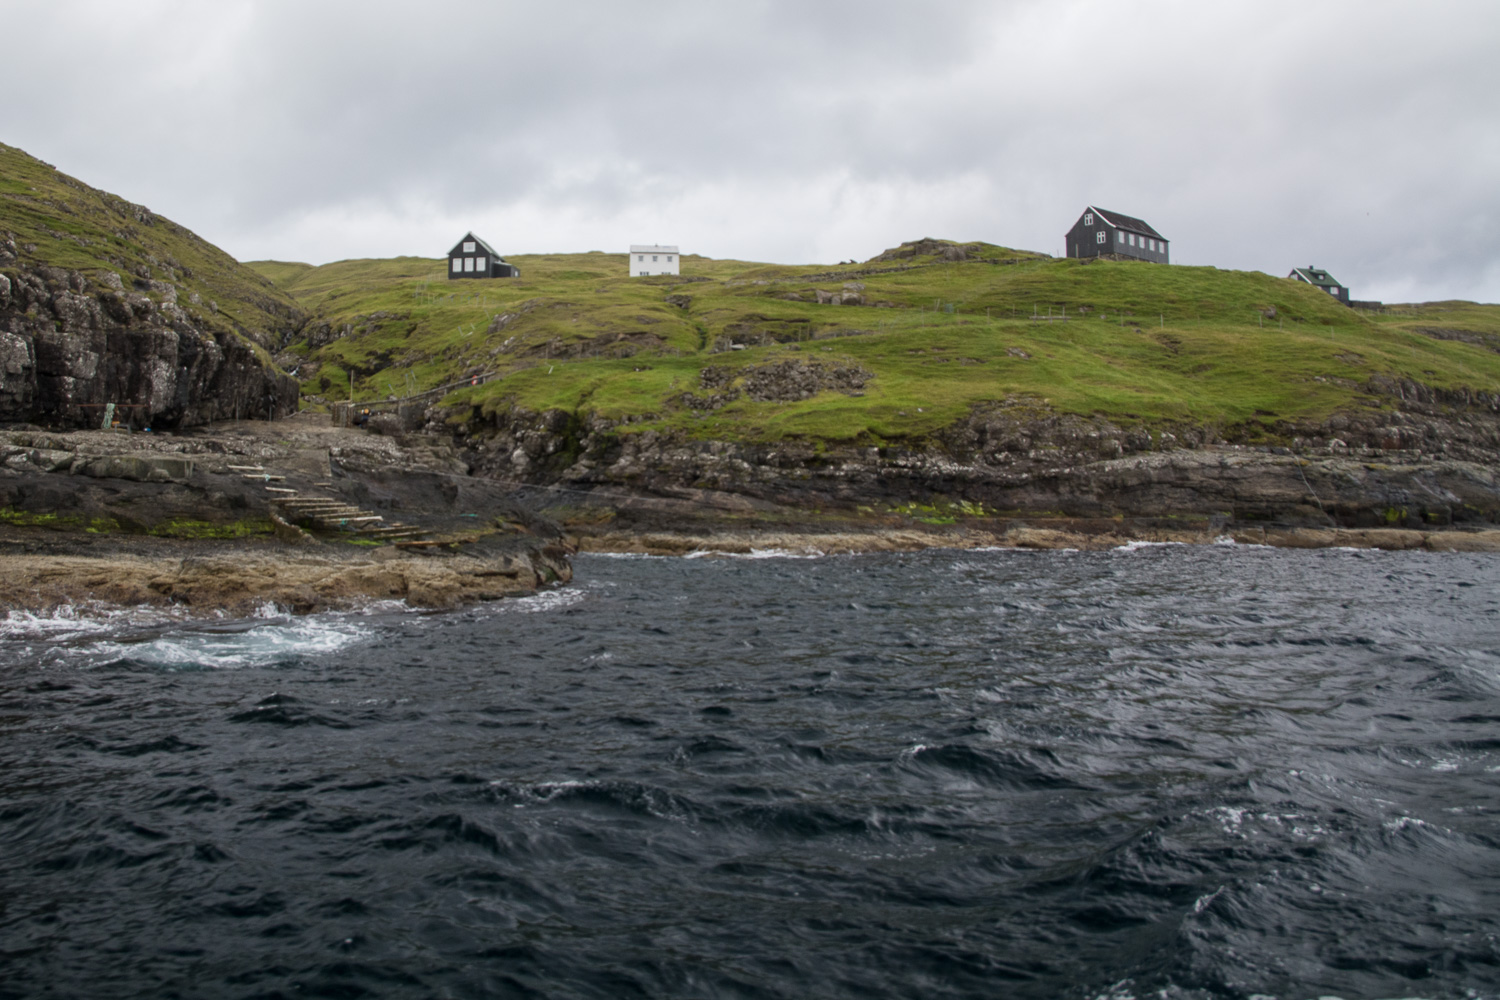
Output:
x,y
464,247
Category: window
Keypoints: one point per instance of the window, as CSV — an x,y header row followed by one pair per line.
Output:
x,y
469,264
1130,239
669,258
468,246
1099,236
1088,218
480,263
653,258
458,264
640,256
1333,291
1119,236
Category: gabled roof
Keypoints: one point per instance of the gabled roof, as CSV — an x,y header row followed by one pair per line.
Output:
x,y
458,247
651,249
1129,223
1315,276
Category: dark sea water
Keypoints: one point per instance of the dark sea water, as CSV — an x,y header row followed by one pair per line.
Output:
x,y
1159,771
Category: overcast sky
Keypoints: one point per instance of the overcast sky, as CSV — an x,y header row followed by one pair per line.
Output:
x,y
1362,137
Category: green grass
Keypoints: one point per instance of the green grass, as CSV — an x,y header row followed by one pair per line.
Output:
x,y
1142,343
173,528
57,221
183,527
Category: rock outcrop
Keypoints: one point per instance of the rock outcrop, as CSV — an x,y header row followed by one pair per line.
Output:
x,y
195,520
103,301
71,343
1431,462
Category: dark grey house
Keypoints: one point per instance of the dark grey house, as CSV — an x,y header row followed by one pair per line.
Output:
x,y
1100,233
1321,280
472,257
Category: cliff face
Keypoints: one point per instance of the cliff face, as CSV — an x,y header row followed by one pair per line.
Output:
x,y
103,301
1429,461
70,343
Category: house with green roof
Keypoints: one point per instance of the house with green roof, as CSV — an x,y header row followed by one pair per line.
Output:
x,y
1321,279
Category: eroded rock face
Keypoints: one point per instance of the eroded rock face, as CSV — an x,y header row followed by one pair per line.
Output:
x,y
1432,462
71,343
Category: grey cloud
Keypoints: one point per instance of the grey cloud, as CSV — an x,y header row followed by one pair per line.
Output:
x,y
1358,136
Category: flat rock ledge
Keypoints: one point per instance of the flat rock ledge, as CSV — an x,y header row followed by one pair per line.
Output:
x,y
665,543
240,584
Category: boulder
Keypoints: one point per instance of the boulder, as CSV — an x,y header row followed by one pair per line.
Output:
x,y
143,468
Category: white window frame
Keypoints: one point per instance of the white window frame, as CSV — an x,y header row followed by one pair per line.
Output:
x,y
640,257
1130,239
1088,218
468,246
669,258
468,265
1100,236
480,263
1119,236
458,265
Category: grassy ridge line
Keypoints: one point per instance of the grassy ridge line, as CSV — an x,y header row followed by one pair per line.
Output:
x,y
1143,343
58,221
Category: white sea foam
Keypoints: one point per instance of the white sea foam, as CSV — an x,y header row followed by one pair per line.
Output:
x,y
780,554
277,641
543,600
1137,545
72,622
757,554
622,555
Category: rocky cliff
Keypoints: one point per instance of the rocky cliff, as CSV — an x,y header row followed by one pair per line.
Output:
x,y
104,302
73,342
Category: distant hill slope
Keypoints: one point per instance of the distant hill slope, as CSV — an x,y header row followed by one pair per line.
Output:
x,y
928,331
102,301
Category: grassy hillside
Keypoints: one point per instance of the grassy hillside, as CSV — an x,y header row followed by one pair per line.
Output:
x,y
1140,342
57,221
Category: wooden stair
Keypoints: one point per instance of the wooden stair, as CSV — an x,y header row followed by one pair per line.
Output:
x,y
332,514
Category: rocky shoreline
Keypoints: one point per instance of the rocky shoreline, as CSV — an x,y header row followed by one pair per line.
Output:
x,y
242,579
188,521
1038,535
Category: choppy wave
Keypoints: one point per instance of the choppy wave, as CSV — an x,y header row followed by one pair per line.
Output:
x,y
74,622
1198,773
755,553
264,641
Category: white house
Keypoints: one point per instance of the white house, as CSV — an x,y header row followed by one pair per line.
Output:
x,y
646,260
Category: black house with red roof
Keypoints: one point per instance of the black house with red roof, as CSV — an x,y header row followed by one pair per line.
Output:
x,y
1101,233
